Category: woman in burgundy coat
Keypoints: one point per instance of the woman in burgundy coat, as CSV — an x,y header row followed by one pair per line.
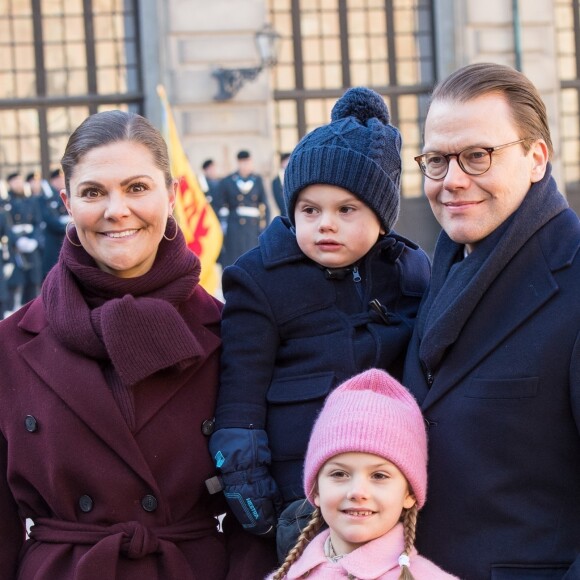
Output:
x,y
108,383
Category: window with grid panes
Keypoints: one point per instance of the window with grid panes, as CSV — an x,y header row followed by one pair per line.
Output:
x,y
330,45
60,61
567,20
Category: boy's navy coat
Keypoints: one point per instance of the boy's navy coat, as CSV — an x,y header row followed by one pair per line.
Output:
x,y
504,415
291,335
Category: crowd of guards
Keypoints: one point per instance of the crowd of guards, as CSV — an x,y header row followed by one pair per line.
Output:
x,y
33,222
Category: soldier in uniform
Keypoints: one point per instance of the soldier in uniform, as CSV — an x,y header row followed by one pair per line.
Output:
x,y
55,218
34,182
210,182
5,264
278,184
24,231
244,207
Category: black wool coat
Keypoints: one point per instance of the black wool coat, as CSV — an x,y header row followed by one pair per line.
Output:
x,y
503,407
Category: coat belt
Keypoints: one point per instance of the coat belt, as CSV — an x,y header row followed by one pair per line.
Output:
x,y
131,539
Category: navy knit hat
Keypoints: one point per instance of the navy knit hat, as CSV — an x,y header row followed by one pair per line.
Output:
x,y
359,150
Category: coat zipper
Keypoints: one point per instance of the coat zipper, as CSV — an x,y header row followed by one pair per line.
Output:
x,y
357,282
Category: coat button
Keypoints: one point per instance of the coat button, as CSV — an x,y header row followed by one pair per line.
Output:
x,y
207,427
31,423
86,503
149,503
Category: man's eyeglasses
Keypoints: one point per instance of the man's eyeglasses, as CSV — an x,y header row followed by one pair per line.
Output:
x,y
473,160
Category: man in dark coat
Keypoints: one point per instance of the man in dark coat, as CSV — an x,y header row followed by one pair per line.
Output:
x,y
495,356
278,184
24,221
210,182
55,218
244,208
4,261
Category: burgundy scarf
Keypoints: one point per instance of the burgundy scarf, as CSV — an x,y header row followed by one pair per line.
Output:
x,y
132,322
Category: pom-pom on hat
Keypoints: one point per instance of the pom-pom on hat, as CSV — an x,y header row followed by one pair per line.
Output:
x,y
359,150
370,413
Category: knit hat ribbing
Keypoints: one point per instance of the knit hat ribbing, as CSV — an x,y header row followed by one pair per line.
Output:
x,y
370,413
359,150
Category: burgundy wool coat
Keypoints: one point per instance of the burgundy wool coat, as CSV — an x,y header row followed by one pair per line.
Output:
x,y
108,503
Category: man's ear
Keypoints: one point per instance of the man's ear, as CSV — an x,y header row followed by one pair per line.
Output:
x,y
540,157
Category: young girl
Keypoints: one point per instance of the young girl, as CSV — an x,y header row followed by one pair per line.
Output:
x,y
331,291
366,473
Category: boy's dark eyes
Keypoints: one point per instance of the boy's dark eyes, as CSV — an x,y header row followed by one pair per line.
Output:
x,y
310,210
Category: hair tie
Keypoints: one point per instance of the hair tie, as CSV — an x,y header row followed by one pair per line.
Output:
x,y
404,560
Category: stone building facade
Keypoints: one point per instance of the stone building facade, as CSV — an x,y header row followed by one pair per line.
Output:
x,y
399,47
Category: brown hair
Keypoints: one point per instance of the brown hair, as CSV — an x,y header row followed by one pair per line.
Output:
x,y
313,527
111,127
409,529
527,107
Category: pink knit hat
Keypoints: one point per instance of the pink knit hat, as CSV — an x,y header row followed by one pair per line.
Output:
x,y
371,413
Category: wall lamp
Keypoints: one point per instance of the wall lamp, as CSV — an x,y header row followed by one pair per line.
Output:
x,y
231,80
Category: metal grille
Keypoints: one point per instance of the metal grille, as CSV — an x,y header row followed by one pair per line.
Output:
x,y
60,61
567,18
330,45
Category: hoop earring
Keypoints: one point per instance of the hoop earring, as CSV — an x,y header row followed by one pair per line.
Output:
x,y
176,228
66,233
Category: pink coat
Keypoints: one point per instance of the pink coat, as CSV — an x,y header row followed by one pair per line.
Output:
x,y
377,560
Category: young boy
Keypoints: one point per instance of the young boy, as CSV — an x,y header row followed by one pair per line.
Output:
x,y
330,291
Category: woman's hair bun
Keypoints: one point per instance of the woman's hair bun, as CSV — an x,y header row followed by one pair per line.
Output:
x,y
363,104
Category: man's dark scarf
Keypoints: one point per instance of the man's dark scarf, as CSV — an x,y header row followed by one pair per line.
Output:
x,y
134,323
457,287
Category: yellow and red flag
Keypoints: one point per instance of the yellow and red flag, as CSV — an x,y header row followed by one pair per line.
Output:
x,y
193,213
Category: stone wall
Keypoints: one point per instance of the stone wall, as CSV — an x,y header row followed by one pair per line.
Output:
x,y
197,36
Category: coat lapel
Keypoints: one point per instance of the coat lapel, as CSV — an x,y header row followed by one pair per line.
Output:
x,y
516,294
163,386
80,384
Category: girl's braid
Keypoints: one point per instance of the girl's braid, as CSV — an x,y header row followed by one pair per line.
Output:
x,y
409,527
312,528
